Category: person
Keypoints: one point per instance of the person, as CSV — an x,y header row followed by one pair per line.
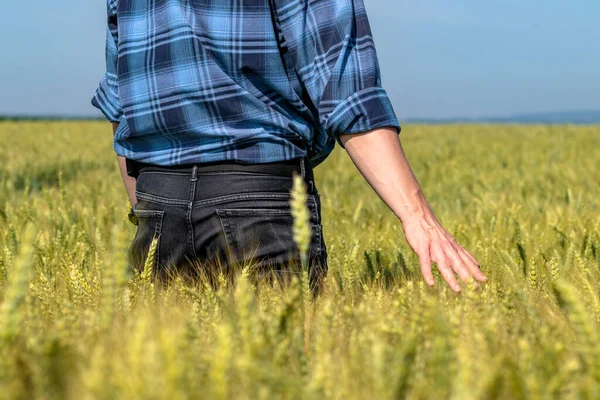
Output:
x,y
215,106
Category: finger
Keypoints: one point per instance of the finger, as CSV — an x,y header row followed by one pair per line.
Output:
x,y
471,263
473,266
425,260
464,264
476,274
458,264
470,256
446,271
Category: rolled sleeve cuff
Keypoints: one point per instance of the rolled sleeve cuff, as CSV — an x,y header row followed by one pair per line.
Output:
x,y
365,110
106,101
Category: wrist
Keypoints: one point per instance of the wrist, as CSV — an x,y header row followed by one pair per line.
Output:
x,y
413,207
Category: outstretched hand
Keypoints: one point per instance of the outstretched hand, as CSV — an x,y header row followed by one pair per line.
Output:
x,y
380,158
431,242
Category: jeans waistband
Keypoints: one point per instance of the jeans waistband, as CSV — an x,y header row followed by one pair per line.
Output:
x,y
286,168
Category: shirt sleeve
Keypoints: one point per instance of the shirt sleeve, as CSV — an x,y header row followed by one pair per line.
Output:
x,y
333,52
106,97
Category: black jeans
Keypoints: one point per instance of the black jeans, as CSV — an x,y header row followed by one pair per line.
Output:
x,y
208,223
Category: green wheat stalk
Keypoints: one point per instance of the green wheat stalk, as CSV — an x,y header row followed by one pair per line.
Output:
x,y
11,312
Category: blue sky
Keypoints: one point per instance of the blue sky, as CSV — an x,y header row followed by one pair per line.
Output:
x,y
439,58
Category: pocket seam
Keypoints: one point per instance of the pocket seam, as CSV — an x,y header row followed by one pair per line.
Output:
x,y
149,213
241,212
319,239
157,235
160,200
226,229
242,196
158,215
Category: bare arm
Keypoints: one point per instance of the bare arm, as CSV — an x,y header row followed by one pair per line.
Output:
x,y
127,180
379,156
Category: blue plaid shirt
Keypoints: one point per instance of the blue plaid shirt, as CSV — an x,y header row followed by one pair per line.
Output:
x,y
253,81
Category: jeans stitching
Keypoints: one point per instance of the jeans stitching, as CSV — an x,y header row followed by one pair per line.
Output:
x,y
149,213
160,200
246,196
191,239
319,239
242,212
226,226
214,200
182,173
158,234
242,173
315,209
317,216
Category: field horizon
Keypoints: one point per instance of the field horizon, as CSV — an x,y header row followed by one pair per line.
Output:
x,y
556,117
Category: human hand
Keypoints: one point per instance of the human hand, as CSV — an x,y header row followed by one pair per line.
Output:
x,y
379,157
431,242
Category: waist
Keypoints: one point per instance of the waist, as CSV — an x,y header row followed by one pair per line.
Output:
x,y
287,168
199,182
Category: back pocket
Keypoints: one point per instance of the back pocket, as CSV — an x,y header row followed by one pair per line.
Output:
x,y
263,235
149,227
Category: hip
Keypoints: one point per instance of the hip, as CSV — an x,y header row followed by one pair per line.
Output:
x,y
222,215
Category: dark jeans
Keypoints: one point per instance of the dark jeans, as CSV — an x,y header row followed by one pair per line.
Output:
x,y
212,222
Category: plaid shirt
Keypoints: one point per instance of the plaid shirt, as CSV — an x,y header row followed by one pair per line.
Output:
x,y
253,81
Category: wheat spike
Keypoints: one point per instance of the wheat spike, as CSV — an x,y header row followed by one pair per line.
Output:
x,y
300,213
11,312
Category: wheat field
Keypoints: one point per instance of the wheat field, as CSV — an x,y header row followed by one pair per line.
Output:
x,y
76,323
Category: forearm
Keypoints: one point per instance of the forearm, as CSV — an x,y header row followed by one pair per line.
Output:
x,y
129,181
379,156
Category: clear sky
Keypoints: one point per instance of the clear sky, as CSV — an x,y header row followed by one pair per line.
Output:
x,y
439,58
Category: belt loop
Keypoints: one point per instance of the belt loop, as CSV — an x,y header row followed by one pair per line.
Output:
x,y
194,173
304,176
303,168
